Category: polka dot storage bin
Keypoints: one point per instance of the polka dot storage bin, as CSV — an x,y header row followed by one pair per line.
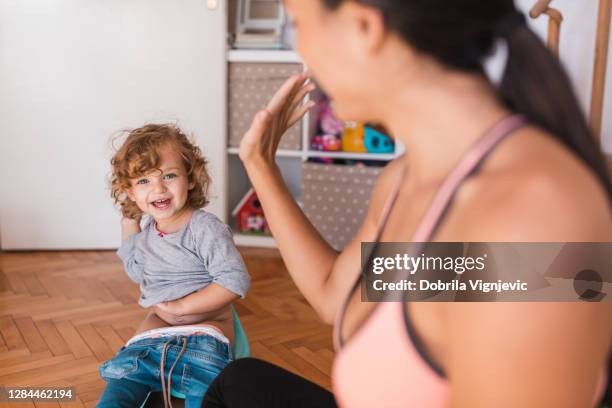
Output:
x,y
336,199
251,85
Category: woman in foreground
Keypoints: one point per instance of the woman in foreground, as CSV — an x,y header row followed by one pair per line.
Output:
x,y
484,163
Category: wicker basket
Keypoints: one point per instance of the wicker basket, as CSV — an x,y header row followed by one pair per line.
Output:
x,y
336,199
251,85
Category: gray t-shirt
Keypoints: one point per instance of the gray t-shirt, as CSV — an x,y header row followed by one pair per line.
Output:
x,y
174,265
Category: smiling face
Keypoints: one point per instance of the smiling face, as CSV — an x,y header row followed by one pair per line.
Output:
x,y
163,193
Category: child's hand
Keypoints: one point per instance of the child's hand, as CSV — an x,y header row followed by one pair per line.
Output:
x,y
269,125
175,307
130,222
129,226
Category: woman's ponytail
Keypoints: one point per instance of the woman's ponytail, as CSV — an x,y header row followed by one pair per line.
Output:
x,y
461,33
535,84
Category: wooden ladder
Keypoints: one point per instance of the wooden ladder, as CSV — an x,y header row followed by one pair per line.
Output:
x,y
601,53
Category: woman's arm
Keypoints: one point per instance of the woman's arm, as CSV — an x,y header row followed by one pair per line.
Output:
x,y
322,275
309,259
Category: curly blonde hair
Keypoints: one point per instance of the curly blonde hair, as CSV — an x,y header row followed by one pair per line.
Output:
x,y
139,155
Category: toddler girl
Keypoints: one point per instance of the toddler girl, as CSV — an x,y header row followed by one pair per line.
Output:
x,y
186,264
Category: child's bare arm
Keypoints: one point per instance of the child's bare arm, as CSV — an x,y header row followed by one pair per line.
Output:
x,y
129,226
212,298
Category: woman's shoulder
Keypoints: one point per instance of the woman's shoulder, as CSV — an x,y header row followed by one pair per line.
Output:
x,y
386,182
393,170
535,189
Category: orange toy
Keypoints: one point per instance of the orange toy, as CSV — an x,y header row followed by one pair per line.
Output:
x,y
352,138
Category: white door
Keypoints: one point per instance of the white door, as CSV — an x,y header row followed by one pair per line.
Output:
x,y
73,73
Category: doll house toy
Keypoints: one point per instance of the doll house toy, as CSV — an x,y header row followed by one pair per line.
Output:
x,y
250,216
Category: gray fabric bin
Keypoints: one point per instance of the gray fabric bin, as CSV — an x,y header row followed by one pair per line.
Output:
x,y
336,199
251,85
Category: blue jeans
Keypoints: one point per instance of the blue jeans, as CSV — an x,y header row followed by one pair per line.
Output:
x,y
135,369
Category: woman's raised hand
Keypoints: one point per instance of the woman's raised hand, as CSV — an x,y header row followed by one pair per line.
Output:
x,y
270,124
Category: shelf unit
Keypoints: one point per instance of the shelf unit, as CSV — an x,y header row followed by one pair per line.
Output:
x,y
306,154
290,161
254,241
278,56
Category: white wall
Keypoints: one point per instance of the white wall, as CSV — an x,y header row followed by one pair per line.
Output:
x,y
577,51
73,72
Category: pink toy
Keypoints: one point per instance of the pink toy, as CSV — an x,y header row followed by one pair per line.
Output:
x,y
327,143
328,122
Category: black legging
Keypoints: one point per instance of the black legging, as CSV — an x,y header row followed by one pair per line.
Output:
x,y
253,383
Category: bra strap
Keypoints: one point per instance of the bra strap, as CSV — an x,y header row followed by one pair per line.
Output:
x,y
468,164
386,212
442,199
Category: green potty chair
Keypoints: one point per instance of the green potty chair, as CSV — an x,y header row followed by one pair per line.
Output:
x,y
240,349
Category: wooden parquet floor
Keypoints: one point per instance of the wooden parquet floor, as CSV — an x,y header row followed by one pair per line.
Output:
x,y
63,313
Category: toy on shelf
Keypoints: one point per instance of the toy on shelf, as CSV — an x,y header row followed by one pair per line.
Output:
x,y
329,129
327,143
333,135
377,142
250,215
352,138
328,122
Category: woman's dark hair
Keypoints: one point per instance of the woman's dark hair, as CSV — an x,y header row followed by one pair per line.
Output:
x,y
461,33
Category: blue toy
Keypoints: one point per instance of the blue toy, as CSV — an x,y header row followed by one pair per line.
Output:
x,y
376,142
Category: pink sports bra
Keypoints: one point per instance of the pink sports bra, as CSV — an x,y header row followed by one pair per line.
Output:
x,y
386,354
